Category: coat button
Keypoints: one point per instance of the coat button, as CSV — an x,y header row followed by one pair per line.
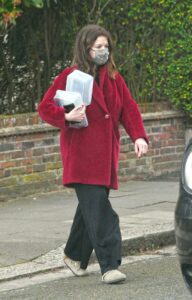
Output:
x,y
107,116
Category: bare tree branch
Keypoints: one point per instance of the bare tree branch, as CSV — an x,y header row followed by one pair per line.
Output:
x,y
104,6
92,10
101,9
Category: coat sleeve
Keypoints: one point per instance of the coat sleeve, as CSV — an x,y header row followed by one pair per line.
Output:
x,y
130,115
47,109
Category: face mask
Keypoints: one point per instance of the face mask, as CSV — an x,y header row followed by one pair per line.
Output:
x,y
101,56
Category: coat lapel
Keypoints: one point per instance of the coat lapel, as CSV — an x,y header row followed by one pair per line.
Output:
x,y
98,94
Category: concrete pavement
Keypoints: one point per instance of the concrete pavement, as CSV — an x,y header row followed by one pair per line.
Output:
x,y
33,230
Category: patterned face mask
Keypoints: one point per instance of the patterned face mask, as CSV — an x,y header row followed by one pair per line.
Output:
x,y
101,56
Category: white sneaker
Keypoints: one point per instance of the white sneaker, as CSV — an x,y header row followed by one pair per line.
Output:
x,y
74,266
113,276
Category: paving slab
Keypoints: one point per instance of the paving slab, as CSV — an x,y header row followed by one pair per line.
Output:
x,y
35,229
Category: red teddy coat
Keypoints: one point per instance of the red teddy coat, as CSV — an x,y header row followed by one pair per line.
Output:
x,y
90,155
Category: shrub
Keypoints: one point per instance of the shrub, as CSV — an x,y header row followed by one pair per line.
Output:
x,y
153,41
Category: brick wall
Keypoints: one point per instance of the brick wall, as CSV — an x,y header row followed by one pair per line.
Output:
x,y
166,131
30,161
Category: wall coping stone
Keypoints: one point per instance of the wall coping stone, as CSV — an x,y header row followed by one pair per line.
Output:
x,y
44,127
19,120
29,129
168,114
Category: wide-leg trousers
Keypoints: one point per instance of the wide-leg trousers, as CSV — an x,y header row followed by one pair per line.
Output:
x,y
95,226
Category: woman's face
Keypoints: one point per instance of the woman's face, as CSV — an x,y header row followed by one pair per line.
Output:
x,y
100,43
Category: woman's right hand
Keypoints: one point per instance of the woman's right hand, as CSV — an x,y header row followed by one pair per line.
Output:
x,y
76,115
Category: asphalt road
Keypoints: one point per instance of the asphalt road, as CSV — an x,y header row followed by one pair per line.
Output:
x,y
155,277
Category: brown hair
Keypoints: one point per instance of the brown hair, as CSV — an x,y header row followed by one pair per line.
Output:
x,y
84,41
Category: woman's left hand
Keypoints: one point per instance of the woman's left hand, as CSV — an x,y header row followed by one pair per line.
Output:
x,y
141,147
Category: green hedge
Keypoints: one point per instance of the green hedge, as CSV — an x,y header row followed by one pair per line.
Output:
x,y
154,42
153,49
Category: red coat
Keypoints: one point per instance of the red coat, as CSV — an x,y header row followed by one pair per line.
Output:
x,y
90,155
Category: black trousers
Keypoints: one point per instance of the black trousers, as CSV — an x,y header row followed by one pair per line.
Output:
x,y
95,226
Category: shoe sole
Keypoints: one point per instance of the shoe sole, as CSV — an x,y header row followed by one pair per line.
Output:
x,y
114,281
73,271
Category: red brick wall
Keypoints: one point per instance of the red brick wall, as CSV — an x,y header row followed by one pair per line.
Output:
x,y
30,161
166,131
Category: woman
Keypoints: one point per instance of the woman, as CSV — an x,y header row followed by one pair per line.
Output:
x,y
90,155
